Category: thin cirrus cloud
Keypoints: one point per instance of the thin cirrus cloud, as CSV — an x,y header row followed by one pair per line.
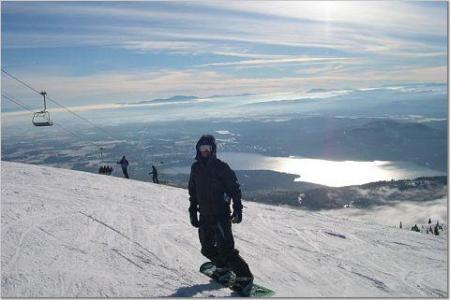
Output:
x,y
137,86
176,26
256,62
381,14
206,47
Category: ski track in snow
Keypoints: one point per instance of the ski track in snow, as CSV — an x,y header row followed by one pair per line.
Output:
x,y
75,234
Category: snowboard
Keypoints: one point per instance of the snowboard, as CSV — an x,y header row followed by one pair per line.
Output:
x,y
257,290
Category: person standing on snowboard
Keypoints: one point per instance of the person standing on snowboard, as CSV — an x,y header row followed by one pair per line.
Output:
x,y
211,185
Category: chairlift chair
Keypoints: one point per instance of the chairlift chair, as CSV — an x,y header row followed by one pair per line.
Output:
x,y
42,118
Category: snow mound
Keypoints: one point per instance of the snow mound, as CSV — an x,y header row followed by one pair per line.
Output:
x,y
75,234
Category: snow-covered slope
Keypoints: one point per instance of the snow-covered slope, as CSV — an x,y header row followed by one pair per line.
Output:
x,y
74,234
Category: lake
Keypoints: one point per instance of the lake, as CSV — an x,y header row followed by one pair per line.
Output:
x,y
325,172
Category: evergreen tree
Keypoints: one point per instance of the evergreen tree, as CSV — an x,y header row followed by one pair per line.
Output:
x,y
401,224
429,221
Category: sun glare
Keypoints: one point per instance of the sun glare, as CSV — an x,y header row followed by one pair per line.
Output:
x,y
329,8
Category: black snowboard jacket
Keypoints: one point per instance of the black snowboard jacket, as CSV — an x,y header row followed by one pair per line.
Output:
x,y
211,185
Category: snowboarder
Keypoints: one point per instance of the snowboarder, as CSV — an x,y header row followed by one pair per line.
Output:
x,y
124,164
155,174
210,180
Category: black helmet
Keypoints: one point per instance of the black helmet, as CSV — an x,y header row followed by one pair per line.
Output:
x,y
206,139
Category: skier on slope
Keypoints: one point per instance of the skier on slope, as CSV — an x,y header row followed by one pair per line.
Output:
x,y
209,182
124,164
154,172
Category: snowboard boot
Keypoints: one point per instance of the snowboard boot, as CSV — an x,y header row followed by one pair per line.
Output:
x,y
243,285
224,276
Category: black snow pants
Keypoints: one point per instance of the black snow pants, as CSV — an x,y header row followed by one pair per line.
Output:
x,y
217,243
125,172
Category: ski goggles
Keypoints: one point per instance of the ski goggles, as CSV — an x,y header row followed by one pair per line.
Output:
x,y
203,148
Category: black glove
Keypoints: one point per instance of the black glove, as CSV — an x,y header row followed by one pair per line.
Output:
x,y
194,217
236,217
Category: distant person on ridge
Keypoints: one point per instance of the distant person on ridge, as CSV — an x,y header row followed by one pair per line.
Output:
x,y
155,174
415,228
209,181
124,164
109,170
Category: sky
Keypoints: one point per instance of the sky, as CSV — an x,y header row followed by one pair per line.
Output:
x,y
85,53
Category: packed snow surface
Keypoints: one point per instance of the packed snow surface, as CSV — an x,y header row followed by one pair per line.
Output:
x,y
75,234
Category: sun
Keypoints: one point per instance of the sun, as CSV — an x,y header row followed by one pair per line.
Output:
x,y
329,9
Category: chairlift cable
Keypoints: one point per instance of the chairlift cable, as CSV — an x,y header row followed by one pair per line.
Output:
x,y
30,110
24,106
60,105
19,104
20,81
72,112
